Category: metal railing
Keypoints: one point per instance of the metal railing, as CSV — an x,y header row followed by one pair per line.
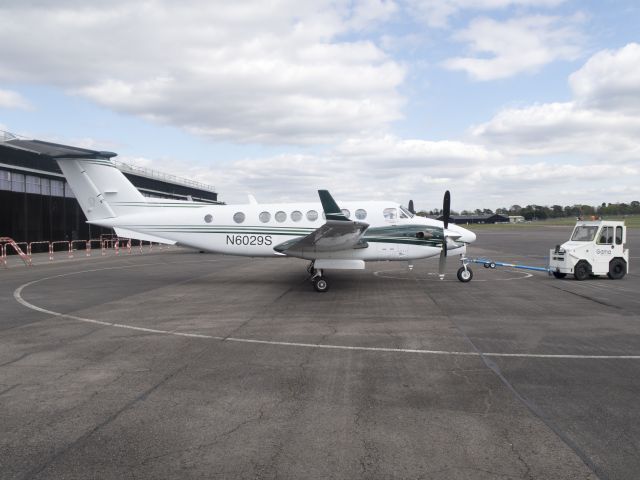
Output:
x,y
165,177
7,241
68,247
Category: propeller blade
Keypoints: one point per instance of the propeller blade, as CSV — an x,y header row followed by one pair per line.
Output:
x,y
446,209
411,209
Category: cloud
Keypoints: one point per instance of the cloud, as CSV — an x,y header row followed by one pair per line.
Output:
x,y
243,72
436,13
412,169
11,99
610,80
517,45
601,121
388,168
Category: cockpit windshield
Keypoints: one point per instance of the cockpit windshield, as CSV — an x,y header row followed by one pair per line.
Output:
x,y
404,213
584,233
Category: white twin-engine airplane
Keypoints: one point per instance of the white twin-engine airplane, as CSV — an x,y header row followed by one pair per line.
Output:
x,y
330,236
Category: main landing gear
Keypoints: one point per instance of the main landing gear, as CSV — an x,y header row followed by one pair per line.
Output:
x,y
318,279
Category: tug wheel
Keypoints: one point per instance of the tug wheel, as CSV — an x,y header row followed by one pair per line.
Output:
x,y
465,274
559,274
581,272
617,269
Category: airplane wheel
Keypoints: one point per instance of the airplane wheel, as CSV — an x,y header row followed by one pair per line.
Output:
x,y
321,285
465,274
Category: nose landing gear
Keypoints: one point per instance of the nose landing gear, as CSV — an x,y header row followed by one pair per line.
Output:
x,y
465,274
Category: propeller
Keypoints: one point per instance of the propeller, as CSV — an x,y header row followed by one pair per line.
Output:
x,y
446,211
411,209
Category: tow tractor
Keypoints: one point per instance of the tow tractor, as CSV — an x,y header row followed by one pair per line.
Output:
x,y
595,248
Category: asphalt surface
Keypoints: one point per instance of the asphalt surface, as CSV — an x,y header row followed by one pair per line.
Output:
x,y
184,365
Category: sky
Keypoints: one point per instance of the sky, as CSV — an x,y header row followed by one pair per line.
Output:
x,y
502,102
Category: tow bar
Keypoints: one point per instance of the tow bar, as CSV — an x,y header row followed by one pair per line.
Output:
x,y
465,274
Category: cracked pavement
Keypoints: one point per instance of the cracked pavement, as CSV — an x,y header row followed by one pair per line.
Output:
x,y
79,400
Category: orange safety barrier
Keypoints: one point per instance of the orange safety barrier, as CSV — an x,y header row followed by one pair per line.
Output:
x,y
71,243
4,241
91,242
105,242
49,246
62,242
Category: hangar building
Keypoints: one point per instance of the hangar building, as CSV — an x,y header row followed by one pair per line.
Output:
x,y
37,204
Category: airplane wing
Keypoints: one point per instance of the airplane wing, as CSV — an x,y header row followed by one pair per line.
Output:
x,y
338,233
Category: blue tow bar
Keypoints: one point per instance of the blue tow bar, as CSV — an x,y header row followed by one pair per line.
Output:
x,y
488,263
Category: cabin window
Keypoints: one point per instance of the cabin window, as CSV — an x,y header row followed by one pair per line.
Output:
x,y
238,217
264,217
296,216
346,213
208,218
361,214
312,215
281,216
618,235
390,214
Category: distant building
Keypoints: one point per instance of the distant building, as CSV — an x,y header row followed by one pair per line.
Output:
x,y
516,219
36,202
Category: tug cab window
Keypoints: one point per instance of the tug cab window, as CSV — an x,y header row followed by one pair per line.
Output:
x,y
606,236
390,214
584,233
618,235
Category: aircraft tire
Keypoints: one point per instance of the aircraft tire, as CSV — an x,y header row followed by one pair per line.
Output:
x,y
321,285
465,275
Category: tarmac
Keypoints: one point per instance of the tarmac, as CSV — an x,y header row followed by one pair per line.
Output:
x,y
177,364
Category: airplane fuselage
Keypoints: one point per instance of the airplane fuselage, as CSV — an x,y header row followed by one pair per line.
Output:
x,y
256,229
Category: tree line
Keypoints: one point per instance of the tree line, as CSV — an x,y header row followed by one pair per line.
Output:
x,y
539,212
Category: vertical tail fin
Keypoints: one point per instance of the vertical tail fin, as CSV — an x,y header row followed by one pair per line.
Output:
x,y
100,188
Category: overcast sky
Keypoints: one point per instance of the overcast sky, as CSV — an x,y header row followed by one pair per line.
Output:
x,y
500,101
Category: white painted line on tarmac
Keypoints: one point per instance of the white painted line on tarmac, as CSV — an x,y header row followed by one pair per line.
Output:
x,y
17,294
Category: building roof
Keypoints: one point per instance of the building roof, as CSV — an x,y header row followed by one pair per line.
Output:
x,y
38,149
